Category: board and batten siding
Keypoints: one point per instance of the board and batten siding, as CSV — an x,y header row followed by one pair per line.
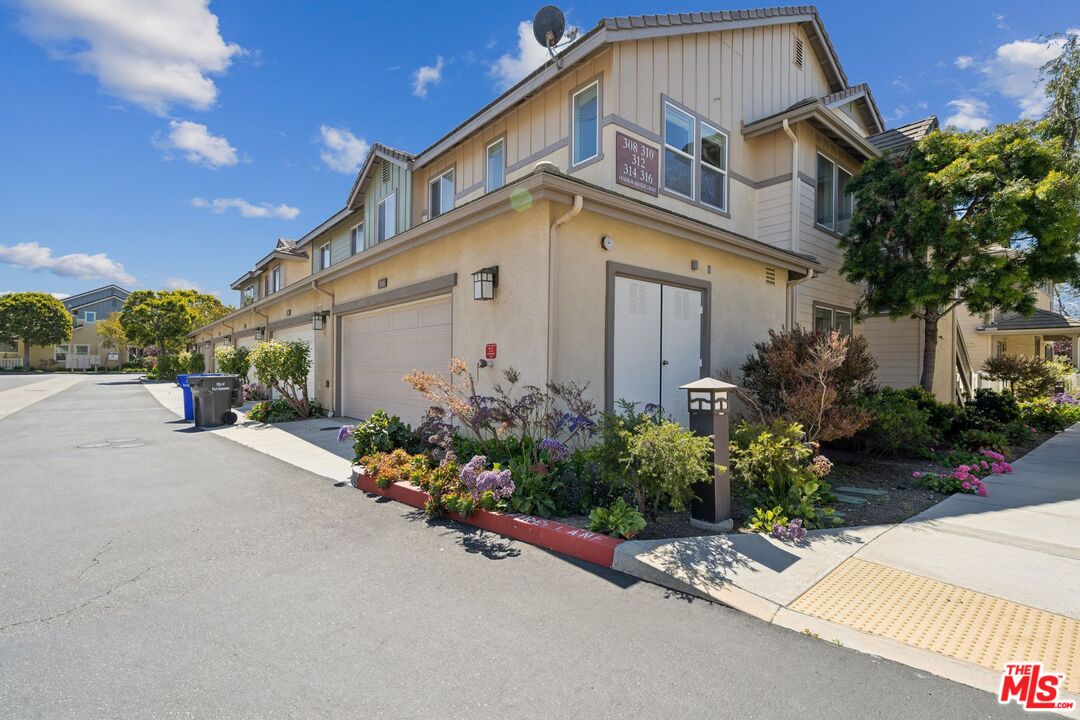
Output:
x,y
829,287
897,347
400,181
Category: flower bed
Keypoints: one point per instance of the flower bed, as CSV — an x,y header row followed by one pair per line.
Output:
x,y
566,539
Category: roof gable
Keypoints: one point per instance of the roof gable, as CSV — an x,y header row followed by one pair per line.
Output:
x,y
904,135
377,153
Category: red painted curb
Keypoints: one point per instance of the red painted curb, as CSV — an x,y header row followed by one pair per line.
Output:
x,y
566,539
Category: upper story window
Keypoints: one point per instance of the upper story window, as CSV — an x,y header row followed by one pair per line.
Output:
x,y
833,203
275,279
356,239
496,165
586,121
247,295
441,194
324,256
827,319
714,158
387,218
678,151
695,158
90,316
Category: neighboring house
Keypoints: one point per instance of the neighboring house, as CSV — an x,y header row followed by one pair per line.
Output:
x,y
634,217
84,351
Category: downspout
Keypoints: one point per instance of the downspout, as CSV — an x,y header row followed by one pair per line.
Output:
x,y
569,215
333,348
792,293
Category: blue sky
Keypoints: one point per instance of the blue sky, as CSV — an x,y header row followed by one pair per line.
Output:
x,y
159,143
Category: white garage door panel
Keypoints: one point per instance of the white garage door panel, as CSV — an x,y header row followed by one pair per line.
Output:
x,y
307,335
380,347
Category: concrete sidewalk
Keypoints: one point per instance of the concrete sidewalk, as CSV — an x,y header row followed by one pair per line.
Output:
x,y
34,390
308,444
957,590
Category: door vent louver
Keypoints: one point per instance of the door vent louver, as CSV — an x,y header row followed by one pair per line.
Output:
x,y
799,51
386,172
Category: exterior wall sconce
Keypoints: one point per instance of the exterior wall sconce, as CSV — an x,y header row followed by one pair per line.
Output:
x,y
318,320
260,333
485,280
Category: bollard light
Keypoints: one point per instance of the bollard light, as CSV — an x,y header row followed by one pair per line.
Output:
x,y
707,395
707,400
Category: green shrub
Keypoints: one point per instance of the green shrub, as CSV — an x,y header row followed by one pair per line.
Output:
x,y
284,367
1049,416
762,520
619,520
278,410
380,433
665,461
608,454
535,493
943,418
232,360
771,465
976,439
899,424
1027,377
169,366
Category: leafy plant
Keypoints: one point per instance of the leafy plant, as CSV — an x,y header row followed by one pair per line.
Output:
x,y
1026,377
278,410
810,378
899,424
1051,414
975,439
665,461
619,520
379,433
771,465
535,493
284,367
233,360
388,468
763,519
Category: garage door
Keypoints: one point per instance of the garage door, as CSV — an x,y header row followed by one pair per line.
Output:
x,y
306,334
380,347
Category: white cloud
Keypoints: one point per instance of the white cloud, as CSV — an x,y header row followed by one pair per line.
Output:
x,y
154,53
1013,71
964,62
1000,20
60,296
342,151
219,206
427,75
179,283
197,144
32,256
970,114
511,68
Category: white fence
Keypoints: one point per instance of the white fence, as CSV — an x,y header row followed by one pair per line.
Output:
x,y
82,362
10,363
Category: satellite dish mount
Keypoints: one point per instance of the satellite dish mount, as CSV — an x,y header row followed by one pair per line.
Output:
x,y
549,24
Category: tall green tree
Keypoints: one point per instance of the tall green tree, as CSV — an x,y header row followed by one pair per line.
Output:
x,y
979,218
35,318
165,317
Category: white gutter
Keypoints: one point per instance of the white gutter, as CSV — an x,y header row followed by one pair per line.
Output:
x,y
569,215
792,293
333,348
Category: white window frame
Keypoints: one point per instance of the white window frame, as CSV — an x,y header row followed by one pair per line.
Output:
x,y
712,168
386,223
837,198
678,151
574,142
841,199
275,279
833,312
356,237
438,180
247,295
324,256
60,352
831,224
77,350
489,184
89,316
14,347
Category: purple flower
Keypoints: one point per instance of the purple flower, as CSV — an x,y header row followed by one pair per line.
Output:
x,y
345,432
556,450
479,480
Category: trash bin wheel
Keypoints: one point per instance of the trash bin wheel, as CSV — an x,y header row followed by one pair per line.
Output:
x,y
229,418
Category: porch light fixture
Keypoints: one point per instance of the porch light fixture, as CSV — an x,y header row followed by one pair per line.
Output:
x,y
260,333
485,280
318,320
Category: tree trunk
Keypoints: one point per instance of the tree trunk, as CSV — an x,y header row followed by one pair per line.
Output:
x,y
26,355
930,338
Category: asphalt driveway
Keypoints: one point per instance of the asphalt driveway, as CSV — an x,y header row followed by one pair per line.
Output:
x,y
152,571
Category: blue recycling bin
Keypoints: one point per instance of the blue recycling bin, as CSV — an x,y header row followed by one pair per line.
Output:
x,y
189,405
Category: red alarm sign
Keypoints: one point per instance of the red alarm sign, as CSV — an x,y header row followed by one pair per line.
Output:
x,y
490,350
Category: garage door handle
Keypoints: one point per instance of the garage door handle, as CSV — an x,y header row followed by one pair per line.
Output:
x,y
664,362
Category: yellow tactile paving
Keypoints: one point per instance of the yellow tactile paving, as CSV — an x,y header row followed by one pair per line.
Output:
x,y
945,619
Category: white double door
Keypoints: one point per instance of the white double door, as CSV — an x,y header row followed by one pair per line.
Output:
x,y
657,344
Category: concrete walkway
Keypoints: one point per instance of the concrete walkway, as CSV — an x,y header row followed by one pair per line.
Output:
x,y
1010,561
33,389
308,444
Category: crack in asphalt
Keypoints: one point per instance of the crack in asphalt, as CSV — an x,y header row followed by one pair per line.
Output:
x,y
78,607
93,561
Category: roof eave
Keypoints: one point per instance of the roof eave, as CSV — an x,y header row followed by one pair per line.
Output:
x,y
818,112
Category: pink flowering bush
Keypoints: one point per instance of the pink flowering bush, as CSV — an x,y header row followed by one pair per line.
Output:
x,y
966,477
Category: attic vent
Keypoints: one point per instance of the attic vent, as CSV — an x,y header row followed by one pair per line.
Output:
x,y
386,172
770,276
798,58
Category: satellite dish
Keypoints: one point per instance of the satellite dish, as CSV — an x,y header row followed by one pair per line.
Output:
x,y
548,26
